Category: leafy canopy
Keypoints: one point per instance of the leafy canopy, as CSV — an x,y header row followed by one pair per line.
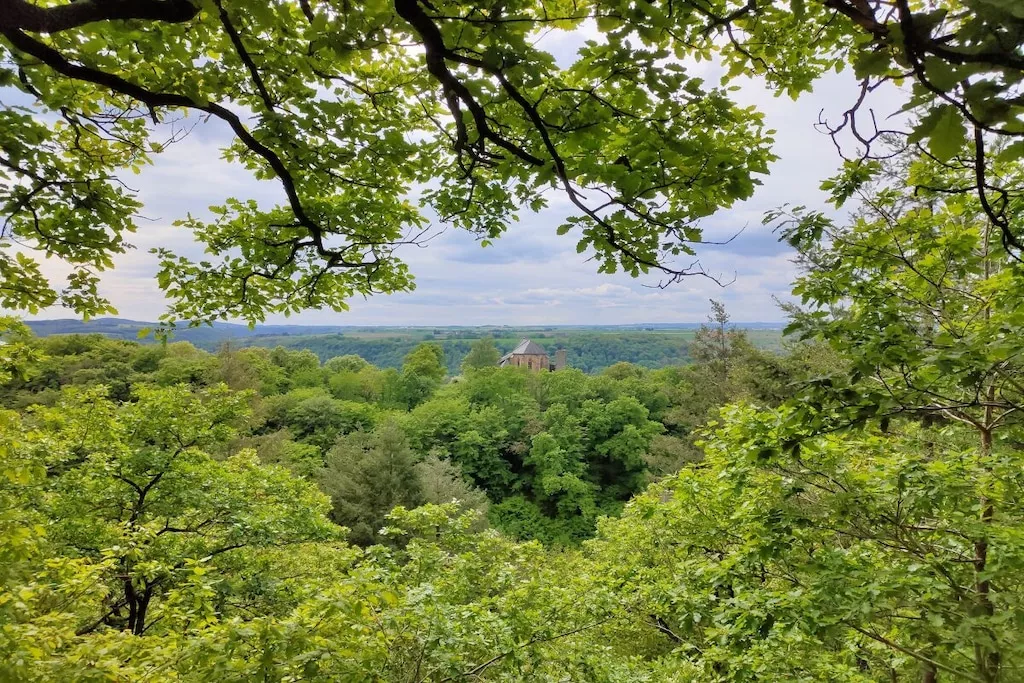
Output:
x,y
353,110
140,538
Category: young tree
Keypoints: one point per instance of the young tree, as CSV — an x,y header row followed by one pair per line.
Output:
x,y
423,369
442,482
132,489
301,367
279,448
482,354
426,361
320,420
250,369
349,363
715,344
618,435
920,296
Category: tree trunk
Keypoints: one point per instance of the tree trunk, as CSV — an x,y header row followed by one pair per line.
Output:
x,y
987,662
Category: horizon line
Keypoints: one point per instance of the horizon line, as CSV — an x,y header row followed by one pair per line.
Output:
x,y
407,326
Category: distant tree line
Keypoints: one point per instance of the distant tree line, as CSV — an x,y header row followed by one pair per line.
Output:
x,y
587,351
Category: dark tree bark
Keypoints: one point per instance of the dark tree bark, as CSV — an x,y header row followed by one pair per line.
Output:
x,y
25,16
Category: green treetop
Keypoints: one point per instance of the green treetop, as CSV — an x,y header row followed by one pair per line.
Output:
x,y
482,354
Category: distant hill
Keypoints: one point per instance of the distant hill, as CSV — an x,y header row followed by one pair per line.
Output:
x,y
120,328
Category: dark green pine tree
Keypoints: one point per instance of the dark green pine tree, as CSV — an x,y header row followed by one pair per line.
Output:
x,y
366,476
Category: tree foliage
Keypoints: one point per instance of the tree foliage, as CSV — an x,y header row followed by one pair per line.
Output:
x,y
143,525
933,325
349,110
368,475
482,354
548,453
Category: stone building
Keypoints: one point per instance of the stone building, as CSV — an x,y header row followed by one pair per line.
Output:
x,y
532,356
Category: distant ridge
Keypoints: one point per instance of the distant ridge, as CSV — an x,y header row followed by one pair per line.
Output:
x,y
122,328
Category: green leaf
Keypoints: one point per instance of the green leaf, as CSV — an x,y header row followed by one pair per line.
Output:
x,y
1011,152
949,136
941,73
925,125
874,63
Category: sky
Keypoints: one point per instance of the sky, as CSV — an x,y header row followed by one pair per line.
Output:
x,y
530,275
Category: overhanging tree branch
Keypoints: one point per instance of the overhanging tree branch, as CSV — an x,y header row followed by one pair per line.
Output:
x,y
152,99
26,16
437,56
243,54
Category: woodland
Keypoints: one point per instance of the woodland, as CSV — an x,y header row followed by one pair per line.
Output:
x,y
590,349
848,508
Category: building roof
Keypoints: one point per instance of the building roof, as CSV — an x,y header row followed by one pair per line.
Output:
x,y
528,348
525,348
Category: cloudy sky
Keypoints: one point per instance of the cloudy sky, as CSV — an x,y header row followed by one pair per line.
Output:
x,y
529,276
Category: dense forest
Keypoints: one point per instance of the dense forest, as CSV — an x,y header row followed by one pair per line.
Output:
x,y
590,350
587,351
544,454
848,507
